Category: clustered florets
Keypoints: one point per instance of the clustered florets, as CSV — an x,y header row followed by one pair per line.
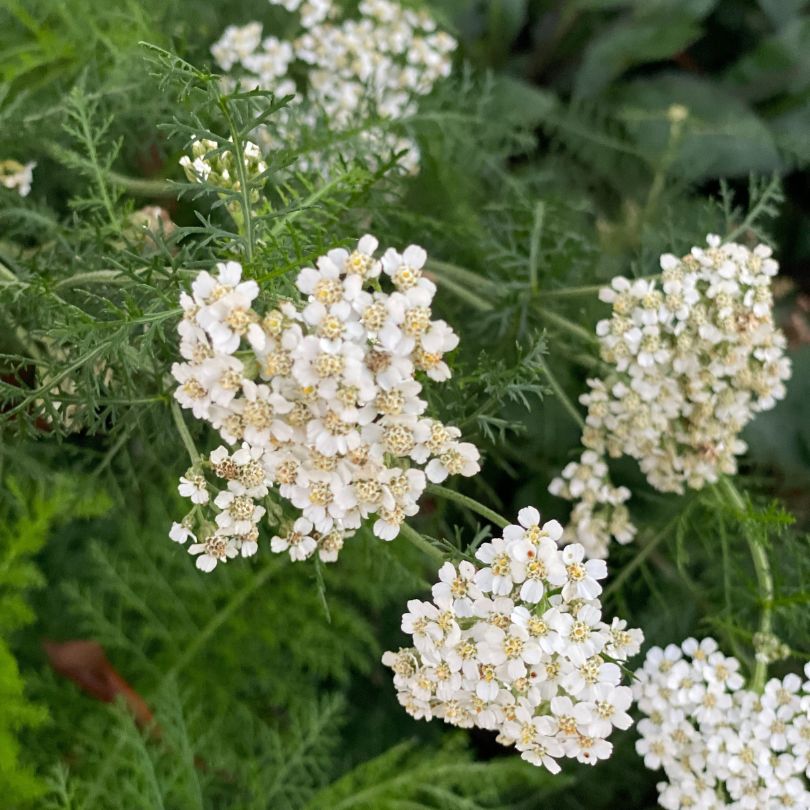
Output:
x,y
17,176
323,398
355,69
519,647
599,512
720,745
212,164
694,357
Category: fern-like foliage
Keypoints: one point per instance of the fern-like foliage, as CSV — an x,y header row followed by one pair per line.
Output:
x,y
180,761
409,777
28,516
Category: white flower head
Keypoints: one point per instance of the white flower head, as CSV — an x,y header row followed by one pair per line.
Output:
x,y
537,675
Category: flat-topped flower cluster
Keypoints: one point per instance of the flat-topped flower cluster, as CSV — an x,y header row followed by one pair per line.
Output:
x,y
519,647
720,745
321,400
694,356
349,70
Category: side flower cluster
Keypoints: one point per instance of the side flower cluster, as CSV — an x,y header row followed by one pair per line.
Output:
x,y
519,647
322,401
599,511
720,745
694,358
211,164
17,176
352,69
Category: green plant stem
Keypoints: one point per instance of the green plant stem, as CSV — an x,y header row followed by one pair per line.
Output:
x,y
142,186
422,543
93,277
762,569
11,278
466,278
572,292
466,295
645,551
205,635
566,401
534,247
567,326
676,123
469,503
244,187
184,434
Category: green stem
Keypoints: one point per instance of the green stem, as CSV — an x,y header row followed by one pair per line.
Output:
x,y
7,274
534,247
469,503
203,637
676,114
422,543
184,434
143,187
244,188
445,270
467,295
571,292
567,326
93,277
645,551
762,569
566,401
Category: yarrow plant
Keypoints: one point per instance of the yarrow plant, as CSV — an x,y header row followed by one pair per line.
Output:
x,y
320,399
694,357
519,646
719,744
355,73
191,279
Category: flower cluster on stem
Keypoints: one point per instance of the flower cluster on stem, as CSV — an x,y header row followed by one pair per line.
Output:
x,y
693,358
519,646
321,400
719,744
352,69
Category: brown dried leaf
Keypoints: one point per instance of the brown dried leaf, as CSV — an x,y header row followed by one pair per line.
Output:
x,y
86,664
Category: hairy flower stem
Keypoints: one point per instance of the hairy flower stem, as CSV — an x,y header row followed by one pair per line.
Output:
x,y
764,581
469,503
184,434
421,543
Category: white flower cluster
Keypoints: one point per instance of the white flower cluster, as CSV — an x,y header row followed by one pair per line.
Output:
x,y
17,176
599,512
695,357
720,745
324,399
217,167
520,647
375,65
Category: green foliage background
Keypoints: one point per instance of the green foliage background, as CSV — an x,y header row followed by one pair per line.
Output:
x,y
550,161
